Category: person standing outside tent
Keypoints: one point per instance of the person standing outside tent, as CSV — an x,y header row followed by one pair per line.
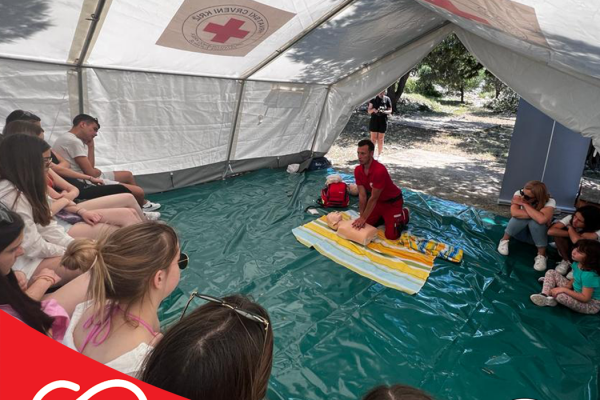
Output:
x,y
378,197
379,108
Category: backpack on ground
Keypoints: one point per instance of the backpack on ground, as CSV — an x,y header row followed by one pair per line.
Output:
x,y
335,195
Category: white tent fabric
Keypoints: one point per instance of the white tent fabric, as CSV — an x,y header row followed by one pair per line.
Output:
x,y
203,88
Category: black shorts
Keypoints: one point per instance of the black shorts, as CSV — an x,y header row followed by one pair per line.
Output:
x,y
378,125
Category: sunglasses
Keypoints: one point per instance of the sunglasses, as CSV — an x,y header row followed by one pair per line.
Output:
x,y
244,313
183,261
5,216
522,193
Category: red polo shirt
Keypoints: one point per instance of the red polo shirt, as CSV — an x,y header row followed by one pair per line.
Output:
x,y
378,178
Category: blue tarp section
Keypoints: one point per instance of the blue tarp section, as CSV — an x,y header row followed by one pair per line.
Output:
x,y
470,333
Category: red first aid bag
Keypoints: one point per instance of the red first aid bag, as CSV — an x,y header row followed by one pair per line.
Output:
x,y
335,195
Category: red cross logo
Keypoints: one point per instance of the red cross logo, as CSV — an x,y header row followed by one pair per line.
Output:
x,y
448,5
225,32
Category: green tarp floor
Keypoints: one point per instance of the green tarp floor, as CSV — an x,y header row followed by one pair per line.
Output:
x,y
470,333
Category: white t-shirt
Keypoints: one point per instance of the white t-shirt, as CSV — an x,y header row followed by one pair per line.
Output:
x,y
550,203
70,146
566,221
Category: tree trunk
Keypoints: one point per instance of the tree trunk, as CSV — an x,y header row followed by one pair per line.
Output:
x,y
462,95
395,91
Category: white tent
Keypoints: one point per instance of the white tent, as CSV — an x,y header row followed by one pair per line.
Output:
x,y
192,90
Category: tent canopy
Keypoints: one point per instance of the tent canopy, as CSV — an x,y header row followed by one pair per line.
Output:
x,y
192,90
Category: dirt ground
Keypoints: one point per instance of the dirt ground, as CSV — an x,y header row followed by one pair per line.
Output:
x,y
455,156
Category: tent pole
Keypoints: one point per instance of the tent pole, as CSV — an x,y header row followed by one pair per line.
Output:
x,y
94,18
233,136
314,142
332,13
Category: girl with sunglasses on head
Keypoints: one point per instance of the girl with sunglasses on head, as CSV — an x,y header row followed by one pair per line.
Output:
x,y
24,189
223,350
583,224
531,211
132,271
49,316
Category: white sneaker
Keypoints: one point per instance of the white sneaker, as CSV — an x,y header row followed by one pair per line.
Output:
x,y
152,215
503,247
543,301
570,274
150,206
540,263
562,267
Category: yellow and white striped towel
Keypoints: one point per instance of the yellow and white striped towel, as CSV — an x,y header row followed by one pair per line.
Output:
x,y
392,265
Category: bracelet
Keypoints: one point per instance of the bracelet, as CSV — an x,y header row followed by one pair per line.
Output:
x,y
47,277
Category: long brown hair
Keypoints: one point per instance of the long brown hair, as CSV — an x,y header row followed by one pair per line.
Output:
x,y
22,163
23,127
29,310
214,353
122,264
540,193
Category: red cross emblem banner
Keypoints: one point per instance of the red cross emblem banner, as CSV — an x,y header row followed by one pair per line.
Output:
x,y
36,367
507,16
222,27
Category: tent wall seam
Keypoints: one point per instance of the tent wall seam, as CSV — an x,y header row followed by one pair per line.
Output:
x,y
62,64
326,17
234,125
94,18
394,51
265,62
314,142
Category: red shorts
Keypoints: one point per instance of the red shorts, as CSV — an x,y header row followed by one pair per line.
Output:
x,y
394,216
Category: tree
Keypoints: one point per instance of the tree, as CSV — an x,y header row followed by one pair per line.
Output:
x,y
493,83
452,66
395,91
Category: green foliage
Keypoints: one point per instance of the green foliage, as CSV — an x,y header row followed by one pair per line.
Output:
x,y
451,66
411,85
507,102
493,84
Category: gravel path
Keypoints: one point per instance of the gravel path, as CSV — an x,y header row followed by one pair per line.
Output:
x,y
458,158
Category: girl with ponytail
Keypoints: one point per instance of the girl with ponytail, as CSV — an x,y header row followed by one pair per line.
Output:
x,y
51,315
131,271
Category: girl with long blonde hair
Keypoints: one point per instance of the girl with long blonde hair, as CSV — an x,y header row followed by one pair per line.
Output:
x,y
531,210
131,271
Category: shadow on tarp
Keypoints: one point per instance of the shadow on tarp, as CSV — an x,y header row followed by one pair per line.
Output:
x,y
470,333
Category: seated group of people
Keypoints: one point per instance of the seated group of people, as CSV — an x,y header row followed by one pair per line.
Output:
x,y
577,239
91,271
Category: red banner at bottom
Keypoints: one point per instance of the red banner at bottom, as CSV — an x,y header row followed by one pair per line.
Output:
x,y
35,367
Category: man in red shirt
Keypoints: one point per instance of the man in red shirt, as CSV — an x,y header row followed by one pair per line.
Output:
x,y
378,197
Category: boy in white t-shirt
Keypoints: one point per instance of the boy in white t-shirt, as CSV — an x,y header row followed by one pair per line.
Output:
x,y
77,147
583,224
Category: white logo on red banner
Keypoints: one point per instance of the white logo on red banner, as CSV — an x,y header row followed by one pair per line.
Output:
x,y
114,383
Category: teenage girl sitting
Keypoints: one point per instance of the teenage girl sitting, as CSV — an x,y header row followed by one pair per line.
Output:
x,y
583,224
582,293
24,189
531,210
131,272
49,316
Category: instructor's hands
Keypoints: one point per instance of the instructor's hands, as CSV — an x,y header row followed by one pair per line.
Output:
x,y
359,223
